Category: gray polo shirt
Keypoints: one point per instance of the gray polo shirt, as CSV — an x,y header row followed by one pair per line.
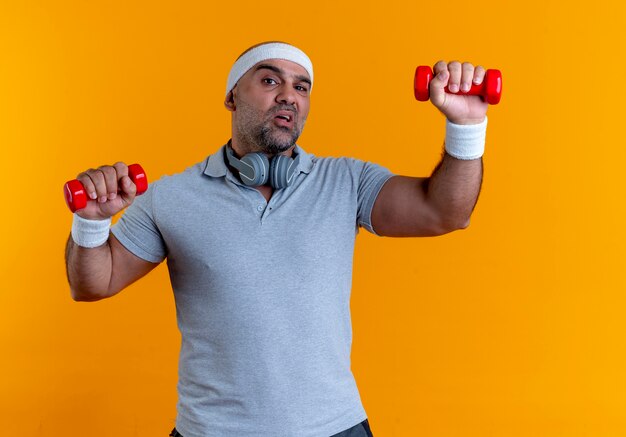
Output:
x,y
262,293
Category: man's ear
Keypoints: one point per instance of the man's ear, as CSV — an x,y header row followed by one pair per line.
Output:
x,y
229,102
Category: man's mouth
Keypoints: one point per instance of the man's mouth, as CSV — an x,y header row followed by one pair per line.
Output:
x,y
284,118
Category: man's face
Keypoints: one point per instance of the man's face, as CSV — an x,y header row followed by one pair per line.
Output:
x,y
271,104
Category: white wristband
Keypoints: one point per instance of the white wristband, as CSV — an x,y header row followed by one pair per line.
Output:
x,y
466,141
90,233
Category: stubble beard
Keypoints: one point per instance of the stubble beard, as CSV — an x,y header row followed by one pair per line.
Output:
x,y
266,136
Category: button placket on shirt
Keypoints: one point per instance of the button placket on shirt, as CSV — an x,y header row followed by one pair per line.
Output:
x,y
253,195
261,205
266,208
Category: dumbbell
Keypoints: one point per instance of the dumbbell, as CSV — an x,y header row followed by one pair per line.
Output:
x,y
490,89
76,196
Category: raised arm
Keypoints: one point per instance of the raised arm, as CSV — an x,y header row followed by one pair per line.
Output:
x,y
435,205
103,271
99,266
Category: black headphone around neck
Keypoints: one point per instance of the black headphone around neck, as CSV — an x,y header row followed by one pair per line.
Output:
x,y
255,169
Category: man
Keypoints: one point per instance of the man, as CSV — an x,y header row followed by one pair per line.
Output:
x,y
259,239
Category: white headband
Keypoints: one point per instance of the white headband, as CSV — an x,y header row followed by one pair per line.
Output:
x,y
264,52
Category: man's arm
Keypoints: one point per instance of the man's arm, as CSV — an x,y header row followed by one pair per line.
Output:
x,y
424,207
101,272
416,207
99,266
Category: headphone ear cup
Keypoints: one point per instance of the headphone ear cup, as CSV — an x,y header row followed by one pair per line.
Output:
x,y
280,174
259,165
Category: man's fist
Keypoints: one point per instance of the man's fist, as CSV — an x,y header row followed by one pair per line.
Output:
x,y
108,188
459,109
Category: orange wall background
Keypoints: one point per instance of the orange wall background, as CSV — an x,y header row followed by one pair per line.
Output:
x,y
512,327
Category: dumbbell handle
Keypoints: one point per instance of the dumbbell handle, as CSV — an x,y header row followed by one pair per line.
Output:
x,y
490,89
76,195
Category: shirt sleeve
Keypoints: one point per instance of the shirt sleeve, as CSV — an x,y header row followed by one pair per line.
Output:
x,y
137,229
371,180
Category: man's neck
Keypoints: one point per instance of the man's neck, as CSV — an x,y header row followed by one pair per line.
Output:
x,y
241,149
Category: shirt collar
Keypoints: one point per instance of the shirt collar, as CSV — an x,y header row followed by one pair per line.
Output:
x,y
216,163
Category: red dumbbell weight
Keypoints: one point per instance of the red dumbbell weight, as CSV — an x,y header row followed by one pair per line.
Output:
x,y
490,89
76,197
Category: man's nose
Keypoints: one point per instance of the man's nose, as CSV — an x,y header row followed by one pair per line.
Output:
x,y
286,95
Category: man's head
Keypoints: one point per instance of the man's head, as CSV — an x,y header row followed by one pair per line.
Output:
x,y
268,93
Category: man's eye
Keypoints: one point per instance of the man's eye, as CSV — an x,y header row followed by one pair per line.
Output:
x,y
269,81
301,88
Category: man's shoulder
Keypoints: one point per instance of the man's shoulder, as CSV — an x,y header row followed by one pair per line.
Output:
x,y
338,163
183,177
